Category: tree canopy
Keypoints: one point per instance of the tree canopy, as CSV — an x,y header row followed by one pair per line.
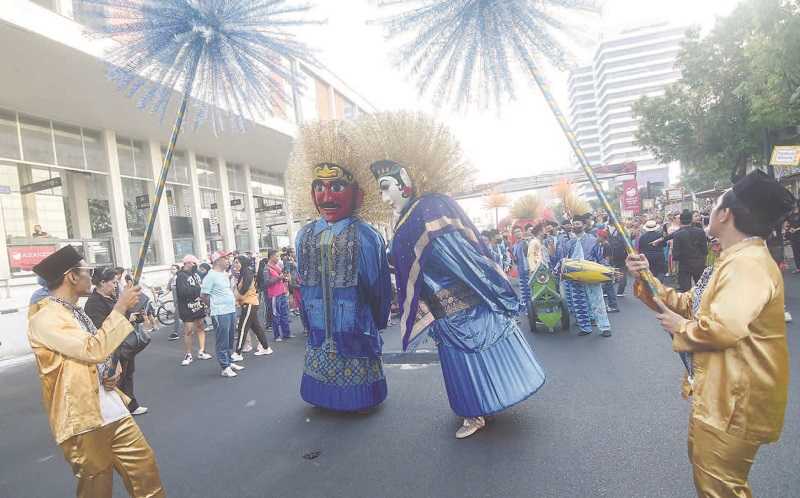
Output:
x,y
740,80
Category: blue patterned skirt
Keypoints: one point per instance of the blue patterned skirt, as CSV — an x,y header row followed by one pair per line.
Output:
x,y
487,363
334,382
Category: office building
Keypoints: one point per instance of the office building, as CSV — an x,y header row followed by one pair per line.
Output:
x,y
625,67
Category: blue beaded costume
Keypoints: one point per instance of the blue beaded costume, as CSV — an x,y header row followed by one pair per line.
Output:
x,y
346,291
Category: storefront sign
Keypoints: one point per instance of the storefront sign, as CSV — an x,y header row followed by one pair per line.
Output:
x,y
674,194
26,257
630,196
785,155
236,202
39,186
273,207
648,203
213,205
143,201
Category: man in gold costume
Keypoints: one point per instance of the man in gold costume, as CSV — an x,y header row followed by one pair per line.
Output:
x,y
732,326
87,413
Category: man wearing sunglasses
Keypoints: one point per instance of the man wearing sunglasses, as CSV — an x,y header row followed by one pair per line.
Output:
x,y
89,421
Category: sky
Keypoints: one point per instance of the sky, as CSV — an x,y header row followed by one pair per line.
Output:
x,y
519,139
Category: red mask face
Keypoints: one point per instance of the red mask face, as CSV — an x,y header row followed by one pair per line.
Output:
x,y
335,199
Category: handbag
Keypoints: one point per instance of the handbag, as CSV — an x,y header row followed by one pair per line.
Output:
x,y
134,343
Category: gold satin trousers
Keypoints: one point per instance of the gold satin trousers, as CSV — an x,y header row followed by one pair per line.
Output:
x,y
120,445
720,462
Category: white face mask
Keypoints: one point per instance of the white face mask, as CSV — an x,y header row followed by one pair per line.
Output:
x,y
392,193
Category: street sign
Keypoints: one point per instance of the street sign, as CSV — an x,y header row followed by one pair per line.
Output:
x,y
785,155
272,207
236,202
143,201
213,205
5,189
674,194
39,186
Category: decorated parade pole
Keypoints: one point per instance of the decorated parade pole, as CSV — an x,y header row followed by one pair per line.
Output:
x,y
647,276
165,167
230,57
460,49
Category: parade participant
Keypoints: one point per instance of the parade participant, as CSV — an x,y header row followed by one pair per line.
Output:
x,y
520,252
584,300
690,250
247,300
190,309
449,288
171,287
87,414
649,246
732,324
344,275
217,295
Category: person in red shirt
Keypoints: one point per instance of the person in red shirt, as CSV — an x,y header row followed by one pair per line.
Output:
x,y
278,294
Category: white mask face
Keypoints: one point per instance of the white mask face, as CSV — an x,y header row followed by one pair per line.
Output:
x,y
392,193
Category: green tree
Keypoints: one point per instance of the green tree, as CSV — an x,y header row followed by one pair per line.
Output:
x,y
737,82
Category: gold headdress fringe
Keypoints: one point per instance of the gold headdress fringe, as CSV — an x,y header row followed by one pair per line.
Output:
x,y
330,142
572,202
426,149
528,207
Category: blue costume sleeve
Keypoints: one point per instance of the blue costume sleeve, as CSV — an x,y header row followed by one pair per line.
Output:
x,y
374,280
465,263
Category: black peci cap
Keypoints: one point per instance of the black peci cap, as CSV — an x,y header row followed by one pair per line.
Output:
x,y
56,265
767,200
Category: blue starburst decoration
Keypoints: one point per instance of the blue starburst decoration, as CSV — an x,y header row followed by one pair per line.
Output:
x,y
233,57
470,50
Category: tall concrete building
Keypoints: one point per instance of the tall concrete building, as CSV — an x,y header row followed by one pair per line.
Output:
x,y
625,67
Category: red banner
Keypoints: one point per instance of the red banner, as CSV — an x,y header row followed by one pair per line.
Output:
x,y
26,257
630,196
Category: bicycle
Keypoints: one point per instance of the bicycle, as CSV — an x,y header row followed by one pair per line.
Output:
x,y
165,308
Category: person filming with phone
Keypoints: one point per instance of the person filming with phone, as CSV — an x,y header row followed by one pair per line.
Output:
x,y
87,412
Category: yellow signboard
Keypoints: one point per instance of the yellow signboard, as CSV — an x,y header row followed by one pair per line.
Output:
x,y
785,155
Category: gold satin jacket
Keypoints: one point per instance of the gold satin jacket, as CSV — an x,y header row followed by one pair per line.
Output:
x,y
67,359
738,340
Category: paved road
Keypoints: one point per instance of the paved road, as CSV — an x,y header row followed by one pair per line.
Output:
x,y
609,422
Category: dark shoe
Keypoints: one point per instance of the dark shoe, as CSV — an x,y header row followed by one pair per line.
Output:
x,y
583,332
613,310
606,333
290,336
173,337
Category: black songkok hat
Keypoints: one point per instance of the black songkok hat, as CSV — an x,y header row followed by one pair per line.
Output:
x,y
582,217
56,265
767,200
385,168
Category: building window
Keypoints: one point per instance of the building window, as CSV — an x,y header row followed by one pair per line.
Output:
x,y
207,173
179,201
265,184
9,138
137,196
179,170
69,146
241,231
48,208
37,140
307,88
236,181
134,158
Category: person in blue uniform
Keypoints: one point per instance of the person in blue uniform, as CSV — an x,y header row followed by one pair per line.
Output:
x,y
585,301
345,283
449,287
